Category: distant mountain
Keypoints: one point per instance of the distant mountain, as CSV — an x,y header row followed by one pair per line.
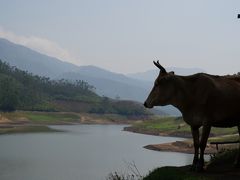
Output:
x,y
32,61
96,72
111,84
111,88
151,75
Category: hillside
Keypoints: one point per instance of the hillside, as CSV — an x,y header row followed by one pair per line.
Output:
x,y
172,126
24,91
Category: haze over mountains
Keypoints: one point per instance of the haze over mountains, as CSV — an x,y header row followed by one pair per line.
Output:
x,y
132,86
151,75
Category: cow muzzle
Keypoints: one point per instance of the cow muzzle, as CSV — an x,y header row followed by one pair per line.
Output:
x,y
147,105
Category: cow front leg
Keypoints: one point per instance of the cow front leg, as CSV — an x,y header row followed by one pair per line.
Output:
x,y
195,135
203,143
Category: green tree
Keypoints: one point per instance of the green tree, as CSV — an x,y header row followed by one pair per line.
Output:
x,y
9,89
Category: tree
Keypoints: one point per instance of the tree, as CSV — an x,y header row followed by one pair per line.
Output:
x,y
9,89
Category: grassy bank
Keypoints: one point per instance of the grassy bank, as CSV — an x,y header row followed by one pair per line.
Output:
x,y
215,169
172,126
40,117
26,129
33,121
175,173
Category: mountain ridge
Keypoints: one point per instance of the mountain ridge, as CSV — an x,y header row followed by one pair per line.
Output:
x,y
34,62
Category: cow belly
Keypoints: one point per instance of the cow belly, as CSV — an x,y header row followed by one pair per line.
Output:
x,y
225,115
227,122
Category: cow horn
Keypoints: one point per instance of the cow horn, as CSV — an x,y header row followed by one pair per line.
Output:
x,y
159,66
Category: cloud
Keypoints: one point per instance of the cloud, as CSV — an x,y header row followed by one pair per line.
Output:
x,y
39,44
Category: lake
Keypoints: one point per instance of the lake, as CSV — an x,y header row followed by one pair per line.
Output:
x,y
82,152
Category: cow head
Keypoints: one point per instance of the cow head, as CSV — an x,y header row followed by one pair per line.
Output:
x,y
162,90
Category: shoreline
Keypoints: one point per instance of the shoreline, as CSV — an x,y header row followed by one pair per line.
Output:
x,y
158,133
26,129
39,128
34,121
185,146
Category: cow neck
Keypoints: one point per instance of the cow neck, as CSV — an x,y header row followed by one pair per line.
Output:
x,y
181,100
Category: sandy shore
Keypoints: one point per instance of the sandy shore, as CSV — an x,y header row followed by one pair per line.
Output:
x,y
180,146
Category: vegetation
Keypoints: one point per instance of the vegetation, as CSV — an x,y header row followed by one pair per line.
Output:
x,y
108,105
174,173
24,91
132,174
227,156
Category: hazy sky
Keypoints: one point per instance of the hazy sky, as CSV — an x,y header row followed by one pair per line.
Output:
x,y
127,35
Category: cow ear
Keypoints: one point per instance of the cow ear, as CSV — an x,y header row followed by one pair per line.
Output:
x,y
172,72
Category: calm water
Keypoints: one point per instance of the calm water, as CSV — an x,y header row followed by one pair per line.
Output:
x,y
83,152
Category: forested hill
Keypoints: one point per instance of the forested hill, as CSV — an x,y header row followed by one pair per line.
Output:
x,y
24,91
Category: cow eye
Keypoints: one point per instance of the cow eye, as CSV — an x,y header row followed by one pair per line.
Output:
x,y
164,80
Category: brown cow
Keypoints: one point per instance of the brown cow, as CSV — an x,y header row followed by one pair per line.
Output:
x,y
204,101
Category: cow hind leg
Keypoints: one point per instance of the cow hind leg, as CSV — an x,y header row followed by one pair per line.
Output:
x,y
195,135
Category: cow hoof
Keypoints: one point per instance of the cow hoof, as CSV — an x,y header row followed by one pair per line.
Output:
x,y
199,167
193,168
